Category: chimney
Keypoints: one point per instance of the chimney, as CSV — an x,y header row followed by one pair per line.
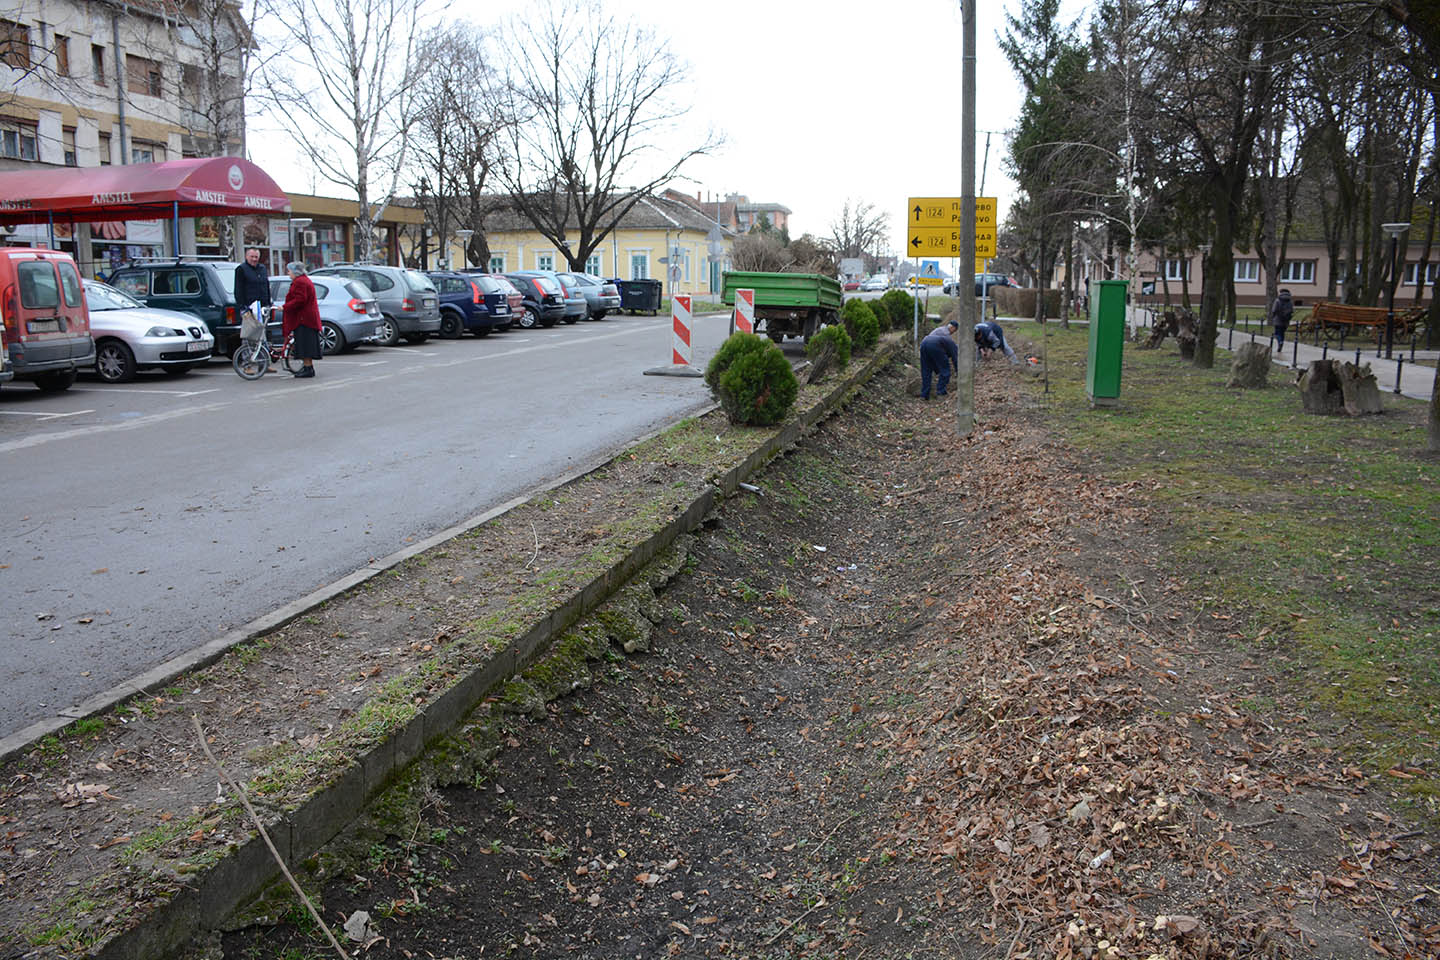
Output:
x,y
697,196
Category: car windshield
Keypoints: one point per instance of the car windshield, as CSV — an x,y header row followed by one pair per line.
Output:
x,y
102,296
549,284
418,281
505,284
358,290
490,285
573,279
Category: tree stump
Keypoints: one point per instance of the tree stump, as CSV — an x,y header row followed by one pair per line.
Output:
x,y
1358,387
1164,326
821,363
1320,391
1186,334
1250,370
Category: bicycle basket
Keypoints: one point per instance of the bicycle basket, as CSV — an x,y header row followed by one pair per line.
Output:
x,y
251,329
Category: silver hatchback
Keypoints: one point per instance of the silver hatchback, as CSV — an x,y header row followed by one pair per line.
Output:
x,y
409,305
349,313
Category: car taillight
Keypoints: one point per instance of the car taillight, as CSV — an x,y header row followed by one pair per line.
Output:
x,y
12,312
475,292
229,314
407,305
356,304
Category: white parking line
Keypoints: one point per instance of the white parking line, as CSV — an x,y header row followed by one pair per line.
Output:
x,y
43,415
109,389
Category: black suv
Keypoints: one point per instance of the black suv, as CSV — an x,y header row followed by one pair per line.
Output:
x,y
544,299
202,288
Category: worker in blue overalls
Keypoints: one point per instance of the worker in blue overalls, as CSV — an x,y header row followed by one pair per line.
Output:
x,y
938,355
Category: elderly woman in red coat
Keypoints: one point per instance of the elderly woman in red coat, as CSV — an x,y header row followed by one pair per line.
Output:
x,y
301,318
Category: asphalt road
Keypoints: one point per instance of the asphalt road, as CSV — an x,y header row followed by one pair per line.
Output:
x,y
146,518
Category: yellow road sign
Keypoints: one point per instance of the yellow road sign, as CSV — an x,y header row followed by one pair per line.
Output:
x,y
945,212
944,242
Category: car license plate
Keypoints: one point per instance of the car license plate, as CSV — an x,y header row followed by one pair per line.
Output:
x,y
43,326
197,346
502,310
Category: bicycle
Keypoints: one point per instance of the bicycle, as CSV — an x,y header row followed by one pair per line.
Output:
x,y
256,352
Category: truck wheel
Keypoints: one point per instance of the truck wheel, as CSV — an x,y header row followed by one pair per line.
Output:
x,y
776,337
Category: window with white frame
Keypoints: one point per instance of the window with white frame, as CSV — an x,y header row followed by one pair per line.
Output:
x,y
639,266
1176,270
497,263
1412,271
592,264
1298,271
143,152
544,261
1247,271
18,140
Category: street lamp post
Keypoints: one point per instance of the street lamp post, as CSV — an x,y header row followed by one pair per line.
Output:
x,y
1393,230
464,236
299,223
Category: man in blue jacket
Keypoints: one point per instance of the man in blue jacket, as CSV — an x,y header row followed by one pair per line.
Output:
x,y
989,336
938,355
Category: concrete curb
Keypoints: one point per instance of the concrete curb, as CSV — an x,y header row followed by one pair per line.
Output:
x,y
248,868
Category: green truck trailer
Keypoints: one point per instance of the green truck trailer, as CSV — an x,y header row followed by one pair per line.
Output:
x,y
788,304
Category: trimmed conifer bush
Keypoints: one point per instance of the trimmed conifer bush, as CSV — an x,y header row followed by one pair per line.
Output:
x,y
882,314
900,305
861,324
834,333
751,378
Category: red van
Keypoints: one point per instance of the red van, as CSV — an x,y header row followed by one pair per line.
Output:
x,y
47,325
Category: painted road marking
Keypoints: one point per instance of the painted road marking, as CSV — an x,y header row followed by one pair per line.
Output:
x,y
43,415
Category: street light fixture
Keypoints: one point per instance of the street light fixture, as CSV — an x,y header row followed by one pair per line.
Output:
x,y
1393,230
299,223
464,236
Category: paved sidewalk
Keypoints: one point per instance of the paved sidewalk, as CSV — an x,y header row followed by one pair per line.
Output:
x,y
1416,379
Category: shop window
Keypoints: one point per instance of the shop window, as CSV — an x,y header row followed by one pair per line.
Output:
x,y
62,55
17,140
143,76
15,44
97,63
1298,271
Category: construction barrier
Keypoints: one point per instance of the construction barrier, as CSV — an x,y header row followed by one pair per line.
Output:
x,y
745,311
680,320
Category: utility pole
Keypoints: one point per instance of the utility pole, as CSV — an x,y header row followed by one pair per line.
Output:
x,y
965,372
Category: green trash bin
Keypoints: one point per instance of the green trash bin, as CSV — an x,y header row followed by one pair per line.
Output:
x,y
1107,342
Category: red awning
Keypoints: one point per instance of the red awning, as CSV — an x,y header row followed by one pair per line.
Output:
x,y
203,186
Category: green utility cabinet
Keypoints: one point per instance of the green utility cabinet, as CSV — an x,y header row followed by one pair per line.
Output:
x,y
1107,341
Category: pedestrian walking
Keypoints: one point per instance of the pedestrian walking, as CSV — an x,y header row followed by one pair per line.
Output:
x,y
989,336
251,283
938,355
301,317
1280,313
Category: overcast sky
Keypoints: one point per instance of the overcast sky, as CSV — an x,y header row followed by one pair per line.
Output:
x,y
819,101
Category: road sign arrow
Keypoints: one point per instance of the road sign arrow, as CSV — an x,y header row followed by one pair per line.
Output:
x,y
915,242
917,213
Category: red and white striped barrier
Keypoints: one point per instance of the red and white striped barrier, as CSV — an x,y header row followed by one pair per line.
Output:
x,y
745,311
681,321
680,353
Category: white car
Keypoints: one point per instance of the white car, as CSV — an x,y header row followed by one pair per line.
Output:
x,y
130,336
875,283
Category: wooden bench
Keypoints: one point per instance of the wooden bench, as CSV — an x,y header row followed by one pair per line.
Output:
x,y
1336,321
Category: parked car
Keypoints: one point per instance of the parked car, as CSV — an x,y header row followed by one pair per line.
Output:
x,y
130,336
601,296
349,312
851,284
409,304
873,284
576,306
47,326
5,372
201,288
543,297
471,302
983,283
513,297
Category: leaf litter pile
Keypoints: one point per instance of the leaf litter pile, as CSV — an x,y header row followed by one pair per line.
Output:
x,y
918,696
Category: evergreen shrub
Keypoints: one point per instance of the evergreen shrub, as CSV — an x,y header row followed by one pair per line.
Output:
x,y
834,333
751,378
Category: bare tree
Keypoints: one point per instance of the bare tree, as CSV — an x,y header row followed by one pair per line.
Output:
x,y
456,123
591,98
861,231
345,93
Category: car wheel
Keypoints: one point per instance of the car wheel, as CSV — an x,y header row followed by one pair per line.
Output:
x,y
55,381
547,324
332,339
598,315
482,332
179,371
451,326
417,337
529,319
387,334
114,361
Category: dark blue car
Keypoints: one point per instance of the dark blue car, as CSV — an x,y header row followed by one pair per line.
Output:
x,y
470,302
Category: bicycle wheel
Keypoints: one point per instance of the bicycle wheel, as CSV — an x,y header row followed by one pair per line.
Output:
x,y
293,364
251,360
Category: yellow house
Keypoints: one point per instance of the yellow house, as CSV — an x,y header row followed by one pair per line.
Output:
x,y
635,250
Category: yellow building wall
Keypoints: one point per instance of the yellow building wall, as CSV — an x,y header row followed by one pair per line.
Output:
x,y
622,254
